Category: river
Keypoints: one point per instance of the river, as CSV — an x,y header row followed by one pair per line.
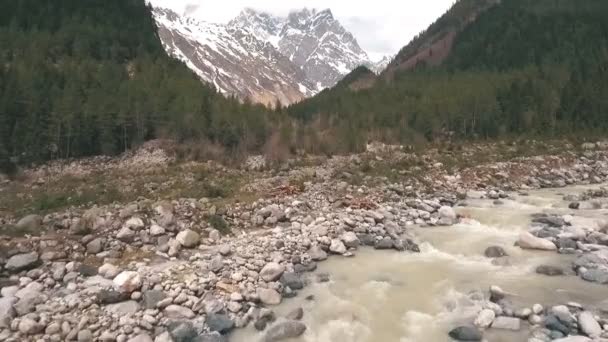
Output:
x,y
404,297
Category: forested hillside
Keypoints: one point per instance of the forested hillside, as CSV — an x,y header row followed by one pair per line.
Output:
x,y
523,67
84,77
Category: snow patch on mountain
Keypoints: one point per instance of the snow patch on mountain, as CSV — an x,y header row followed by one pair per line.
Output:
x,y
263,57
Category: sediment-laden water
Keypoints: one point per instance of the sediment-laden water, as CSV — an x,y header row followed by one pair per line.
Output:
x,y
390,296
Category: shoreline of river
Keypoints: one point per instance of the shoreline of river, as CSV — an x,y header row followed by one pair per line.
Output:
x,y
144,273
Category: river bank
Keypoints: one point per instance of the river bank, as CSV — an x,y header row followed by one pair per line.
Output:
x,y
184,269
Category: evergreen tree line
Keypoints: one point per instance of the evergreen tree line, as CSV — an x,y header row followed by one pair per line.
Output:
x,y
86,77
524,67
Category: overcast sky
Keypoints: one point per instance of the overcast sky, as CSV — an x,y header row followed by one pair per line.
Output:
x,y
382,27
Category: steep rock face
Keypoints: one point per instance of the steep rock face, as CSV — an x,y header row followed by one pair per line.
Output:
x,y
263,57
235,62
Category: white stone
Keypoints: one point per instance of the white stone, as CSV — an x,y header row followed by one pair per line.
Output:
x,y
108,271
485,318
7,313
269,296
350,240
134,223
529,241
272,271
188,238
337,247
507,323
127,281
589,325
156,230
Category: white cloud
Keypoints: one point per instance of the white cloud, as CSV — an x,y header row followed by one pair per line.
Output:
x,y
382,27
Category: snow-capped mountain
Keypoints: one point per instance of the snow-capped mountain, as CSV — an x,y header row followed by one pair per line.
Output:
x,y
379,66
263,57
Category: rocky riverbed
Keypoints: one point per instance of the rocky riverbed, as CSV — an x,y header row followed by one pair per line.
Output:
x,y
195,269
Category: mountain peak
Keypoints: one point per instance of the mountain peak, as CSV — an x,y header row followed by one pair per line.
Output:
x,y
266,57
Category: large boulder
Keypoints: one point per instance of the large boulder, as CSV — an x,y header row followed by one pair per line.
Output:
x,y
127,281
507,323
529,241
447,216
272,271
292,280
220,323
485,318
188,238
350,240
269,296
284,330
317,254
589,325
337,247
29,223
21,262
7,313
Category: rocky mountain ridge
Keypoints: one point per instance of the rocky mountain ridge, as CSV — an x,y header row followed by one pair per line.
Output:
x,y
263,57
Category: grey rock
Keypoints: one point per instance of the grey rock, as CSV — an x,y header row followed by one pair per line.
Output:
x,y
152,297
178,312
549,270
272,271
85,336
292,280
123,308
385,243
143,337
573,339
188,238
337,247
553,323
589,325
20,262
507,323
466,333
220,323
7,313
317,254
350,240
29,326
599,276
284,330
95,246
29,223
125,234
111,296
269,296
217,263
495,252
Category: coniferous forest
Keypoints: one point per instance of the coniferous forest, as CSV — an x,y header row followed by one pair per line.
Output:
x,y
87,77
524,67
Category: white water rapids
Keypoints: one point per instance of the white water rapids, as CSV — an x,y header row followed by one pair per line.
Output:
x,y
403,297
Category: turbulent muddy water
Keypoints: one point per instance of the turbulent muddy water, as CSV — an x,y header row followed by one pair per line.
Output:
x,y
390,296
